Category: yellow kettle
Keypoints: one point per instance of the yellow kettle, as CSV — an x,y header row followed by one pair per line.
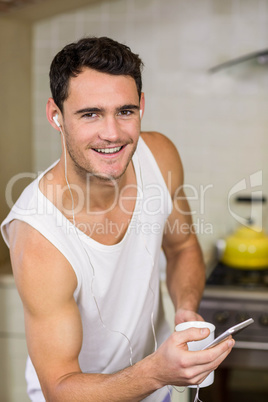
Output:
x,y
246,248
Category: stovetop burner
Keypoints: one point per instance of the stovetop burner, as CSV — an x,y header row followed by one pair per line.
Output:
x,y
223,275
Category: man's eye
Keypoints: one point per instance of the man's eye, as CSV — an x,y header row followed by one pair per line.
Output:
x,y
90,115
125,112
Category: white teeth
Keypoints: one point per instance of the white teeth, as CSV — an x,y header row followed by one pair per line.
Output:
x,y
108,150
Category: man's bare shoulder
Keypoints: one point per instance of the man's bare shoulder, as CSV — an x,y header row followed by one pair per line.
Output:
x,y
27,242
40,270
154,138
166,156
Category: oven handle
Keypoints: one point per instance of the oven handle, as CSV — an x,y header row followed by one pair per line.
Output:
x,y
251,345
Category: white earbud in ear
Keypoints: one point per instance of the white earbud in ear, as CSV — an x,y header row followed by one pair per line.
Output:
x,y
140,113
55,118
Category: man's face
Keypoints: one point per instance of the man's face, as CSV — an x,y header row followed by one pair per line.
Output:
x,y
101,123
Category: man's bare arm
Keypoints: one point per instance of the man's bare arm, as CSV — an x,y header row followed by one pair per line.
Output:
x,y
185,266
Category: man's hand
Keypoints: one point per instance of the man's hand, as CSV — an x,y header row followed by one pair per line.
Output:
x,y
183,315
173,364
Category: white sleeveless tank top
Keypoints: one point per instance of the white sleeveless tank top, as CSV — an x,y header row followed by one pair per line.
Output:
x,y
117,305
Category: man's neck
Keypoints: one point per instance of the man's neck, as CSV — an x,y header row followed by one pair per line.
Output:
x,y
90,192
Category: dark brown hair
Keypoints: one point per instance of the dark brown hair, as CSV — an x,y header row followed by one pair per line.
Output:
x,y
102,54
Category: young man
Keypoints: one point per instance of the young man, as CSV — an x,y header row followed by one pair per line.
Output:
x,y
85,240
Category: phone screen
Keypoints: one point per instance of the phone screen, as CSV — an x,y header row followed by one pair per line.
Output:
x,y
231,331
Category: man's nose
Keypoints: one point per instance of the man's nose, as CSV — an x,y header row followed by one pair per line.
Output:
x,y
110,130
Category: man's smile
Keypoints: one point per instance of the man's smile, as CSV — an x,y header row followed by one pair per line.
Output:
x,y
108,150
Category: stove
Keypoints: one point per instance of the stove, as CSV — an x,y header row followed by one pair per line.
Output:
x,y
232,295
238,279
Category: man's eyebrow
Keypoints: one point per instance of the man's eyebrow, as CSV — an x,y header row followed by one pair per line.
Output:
x,y
128,107
89,110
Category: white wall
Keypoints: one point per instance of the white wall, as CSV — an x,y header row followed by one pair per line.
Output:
x,y
218,122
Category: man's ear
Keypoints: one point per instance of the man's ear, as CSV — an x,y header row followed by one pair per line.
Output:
x,y
52,110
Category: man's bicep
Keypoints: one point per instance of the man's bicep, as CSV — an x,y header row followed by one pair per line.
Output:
x,y
46,282
54,341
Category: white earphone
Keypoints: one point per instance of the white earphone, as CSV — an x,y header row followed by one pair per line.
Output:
x,y
55,118
140,113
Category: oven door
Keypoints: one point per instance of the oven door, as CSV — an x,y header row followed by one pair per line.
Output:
x,y
227,308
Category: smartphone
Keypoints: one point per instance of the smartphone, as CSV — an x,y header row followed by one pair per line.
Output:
x,y
231,331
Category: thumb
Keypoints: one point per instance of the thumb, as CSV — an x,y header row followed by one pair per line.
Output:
x,y
192,334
